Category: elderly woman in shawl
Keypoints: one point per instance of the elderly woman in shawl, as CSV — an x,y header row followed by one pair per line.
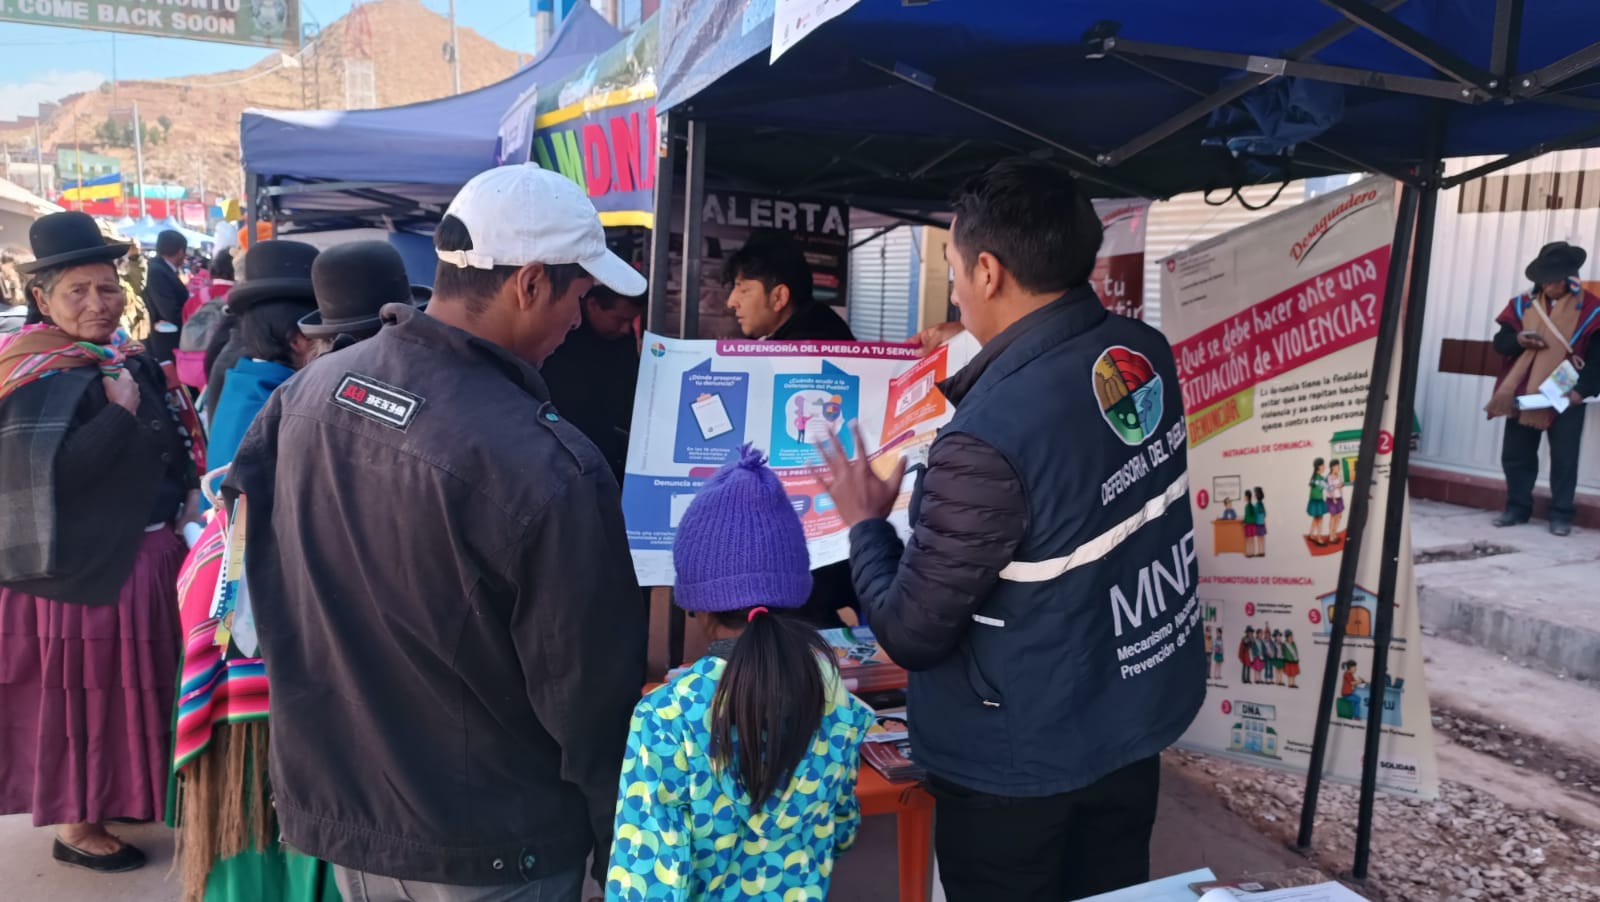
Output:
x,y
1550,330
228,841
98,478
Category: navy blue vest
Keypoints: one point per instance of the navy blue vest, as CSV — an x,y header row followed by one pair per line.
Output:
x,y
1088,655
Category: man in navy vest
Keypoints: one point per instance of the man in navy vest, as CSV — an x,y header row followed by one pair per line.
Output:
x,y
1045,602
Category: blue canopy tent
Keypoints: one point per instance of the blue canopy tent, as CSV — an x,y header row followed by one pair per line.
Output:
x,y
1120,91
894,102
314,170
143,231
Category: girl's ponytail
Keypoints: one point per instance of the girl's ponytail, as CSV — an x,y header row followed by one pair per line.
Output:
x,y
771,695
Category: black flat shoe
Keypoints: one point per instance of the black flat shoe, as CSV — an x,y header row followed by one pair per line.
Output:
x,y
1558,528
1509,519
127,858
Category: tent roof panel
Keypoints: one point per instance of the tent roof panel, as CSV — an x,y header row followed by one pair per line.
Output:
x,y
439,142
1013,75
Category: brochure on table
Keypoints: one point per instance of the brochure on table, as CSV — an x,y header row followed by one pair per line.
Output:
x,y
698,401
1164,889
1274,327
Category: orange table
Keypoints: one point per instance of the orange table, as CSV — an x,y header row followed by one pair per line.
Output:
x,y
913,810
912,807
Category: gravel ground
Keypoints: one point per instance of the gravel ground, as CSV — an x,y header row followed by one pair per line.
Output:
x,y
1467,844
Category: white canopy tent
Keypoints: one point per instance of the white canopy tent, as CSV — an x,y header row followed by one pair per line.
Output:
x,y
19,207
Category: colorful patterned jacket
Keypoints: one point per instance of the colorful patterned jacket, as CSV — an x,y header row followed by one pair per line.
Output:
x,y
686,831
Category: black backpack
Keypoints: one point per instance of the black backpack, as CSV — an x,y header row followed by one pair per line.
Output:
x,y
202,325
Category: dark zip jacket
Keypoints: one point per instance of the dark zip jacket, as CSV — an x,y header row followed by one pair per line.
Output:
x,y
447,610
1046,602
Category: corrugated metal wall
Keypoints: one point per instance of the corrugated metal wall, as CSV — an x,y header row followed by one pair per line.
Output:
x,y
1478,258
1187,220
883,284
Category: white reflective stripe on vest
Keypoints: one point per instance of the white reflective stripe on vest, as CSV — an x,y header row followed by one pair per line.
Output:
x,y
1101,545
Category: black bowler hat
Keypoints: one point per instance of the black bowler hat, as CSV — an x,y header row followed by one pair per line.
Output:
x,y
275,270
354,282
60,239
1556,262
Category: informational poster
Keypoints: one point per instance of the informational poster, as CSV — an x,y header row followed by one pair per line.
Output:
x,y
1119,269
699,401
1274,326
794,19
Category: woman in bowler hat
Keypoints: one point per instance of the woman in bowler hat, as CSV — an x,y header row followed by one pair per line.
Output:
x,y
351,283
98,478
272,294
354,282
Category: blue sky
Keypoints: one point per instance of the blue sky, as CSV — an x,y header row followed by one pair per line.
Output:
x,y
40,63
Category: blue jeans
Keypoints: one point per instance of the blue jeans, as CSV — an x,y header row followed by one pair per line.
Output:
x,y
357,886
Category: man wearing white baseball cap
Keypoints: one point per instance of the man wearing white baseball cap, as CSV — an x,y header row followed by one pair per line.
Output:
x,y
455,639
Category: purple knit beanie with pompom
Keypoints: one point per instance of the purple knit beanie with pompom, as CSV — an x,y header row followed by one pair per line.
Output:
x,y
740,544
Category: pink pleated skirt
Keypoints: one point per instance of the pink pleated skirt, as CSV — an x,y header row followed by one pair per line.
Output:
x,y
86,697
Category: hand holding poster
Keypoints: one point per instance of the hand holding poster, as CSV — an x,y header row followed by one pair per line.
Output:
x,y
698,401
1274,328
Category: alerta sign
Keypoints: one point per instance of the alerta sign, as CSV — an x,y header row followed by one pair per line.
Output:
x,y
607,145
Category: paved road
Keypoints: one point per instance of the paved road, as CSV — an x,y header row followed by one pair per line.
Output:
x,y
1193,830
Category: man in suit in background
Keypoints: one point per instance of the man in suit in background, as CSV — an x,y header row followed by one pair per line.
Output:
x,y
165,294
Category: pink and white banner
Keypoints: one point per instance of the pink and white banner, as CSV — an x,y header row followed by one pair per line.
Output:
x,y
1119,270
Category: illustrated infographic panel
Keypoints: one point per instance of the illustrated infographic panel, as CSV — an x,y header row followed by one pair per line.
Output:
x,y
698,401
1274,327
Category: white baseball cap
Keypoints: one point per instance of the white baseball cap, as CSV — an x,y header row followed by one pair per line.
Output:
x,y
522,214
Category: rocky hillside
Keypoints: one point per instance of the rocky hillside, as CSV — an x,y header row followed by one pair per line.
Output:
x,y
402,38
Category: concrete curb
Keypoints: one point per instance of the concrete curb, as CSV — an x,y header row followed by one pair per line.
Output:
x,y
1561,648
1517,592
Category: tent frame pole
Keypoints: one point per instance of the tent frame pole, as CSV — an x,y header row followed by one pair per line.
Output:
x,y
1360,500
1507,35
926,82
1360,165
1530,85
694,201
252,187
1394,526
1435,88
272,209
694,197
322,187
906,218
1563,142
1318,42
1414,42
661,234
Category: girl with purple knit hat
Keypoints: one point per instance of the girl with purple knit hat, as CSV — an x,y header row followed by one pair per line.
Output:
x,y
704,813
